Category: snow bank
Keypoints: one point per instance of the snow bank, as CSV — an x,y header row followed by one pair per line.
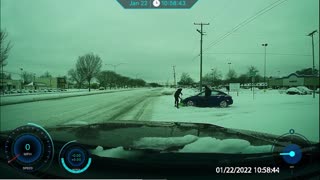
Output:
x,y
41,97
117,152
189,143
160,143
212,145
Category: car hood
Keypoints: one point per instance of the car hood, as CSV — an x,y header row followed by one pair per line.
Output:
x,y
126,133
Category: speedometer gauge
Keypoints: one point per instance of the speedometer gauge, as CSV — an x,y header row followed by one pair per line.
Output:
x,y
29,148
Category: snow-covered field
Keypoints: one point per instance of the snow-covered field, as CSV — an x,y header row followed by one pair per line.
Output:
x,y
270,112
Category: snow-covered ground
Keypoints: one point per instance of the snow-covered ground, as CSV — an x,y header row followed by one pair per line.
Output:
x,y
271,112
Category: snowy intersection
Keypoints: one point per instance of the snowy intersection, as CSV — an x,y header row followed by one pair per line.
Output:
x,y
270,112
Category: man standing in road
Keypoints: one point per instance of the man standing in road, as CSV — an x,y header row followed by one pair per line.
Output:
x,y
177,97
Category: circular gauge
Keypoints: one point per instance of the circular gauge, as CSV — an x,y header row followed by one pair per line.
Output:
x,y
74,158
29,148
291,150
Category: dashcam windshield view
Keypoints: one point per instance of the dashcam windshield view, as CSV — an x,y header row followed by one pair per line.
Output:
x,y
159,89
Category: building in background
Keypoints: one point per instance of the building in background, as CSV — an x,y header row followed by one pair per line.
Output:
x,y
294,80
10,84
50,83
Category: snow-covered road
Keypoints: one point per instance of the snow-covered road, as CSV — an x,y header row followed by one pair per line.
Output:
x,y
125,105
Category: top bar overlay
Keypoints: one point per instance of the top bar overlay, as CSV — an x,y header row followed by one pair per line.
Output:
x,y
157,4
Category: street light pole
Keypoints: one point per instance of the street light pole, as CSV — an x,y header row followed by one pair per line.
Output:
x,y
313,72
265,65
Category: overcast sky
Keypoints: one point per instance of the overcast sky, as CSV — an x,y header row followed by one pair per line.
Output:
x,y
49,35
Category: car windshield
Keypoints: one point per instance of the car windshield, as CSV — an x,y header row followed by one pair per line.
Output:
x,y
81,63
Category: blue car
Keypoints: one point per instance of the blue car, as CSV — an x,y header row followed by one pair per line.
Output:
x,y
217,99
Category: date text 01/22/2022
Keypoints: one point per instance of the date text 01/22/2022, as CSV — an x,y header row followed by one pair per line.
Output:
x,y
247,170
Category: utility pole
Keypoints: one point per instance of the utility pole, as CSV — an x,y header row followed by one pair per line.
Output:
x,y
265,65
201,40
174,76
313,73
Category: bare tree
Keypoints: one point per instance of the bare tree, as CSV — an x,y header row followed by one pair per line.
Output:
x,y
185,79
46,75
252,70
231,75
214,77
5,48
77,77
89,66
27,77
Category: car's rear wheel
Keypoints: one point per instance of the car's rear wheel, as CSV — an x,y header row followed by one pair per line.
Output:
x,y
223,104
190,103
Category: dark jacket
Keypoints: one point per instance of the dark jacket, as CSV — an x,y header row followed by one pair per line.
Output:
x,y
207,91
177,93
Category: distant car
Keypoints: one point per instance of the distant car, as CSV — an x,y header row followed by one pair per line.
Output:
x,y
101,88
304,90
293,91
217,98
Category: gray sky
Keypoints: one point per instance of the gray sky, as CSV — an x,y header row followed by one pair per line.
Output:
x,y
49,35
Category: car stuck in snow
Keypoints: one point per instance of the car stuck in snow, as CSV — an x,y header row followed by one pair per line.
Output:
x,y
216,99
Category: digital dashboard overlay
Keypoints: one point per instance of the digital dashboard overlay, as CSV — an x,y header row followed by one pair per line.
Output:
x,y
30,149
74,158
157,4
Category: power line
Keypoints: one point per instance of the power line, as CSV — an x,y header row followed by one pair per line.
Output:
x,y
245,22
